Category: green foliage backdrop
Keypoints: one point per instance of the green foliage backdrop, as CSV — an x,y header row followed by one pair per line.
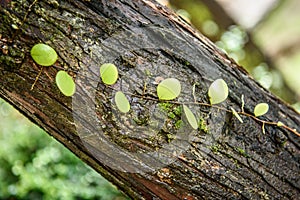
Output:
x,y
34,166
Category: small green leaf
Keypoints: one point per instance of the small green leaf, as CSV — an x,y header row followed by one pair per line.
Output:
x,y
237,115
14,26
279,123
43,54
168,89
65,83
218,91
190,117
261,109
122,102
109,73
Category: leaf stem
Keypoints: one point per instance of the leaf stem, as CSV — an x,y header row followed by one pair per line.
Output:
x,y
36,79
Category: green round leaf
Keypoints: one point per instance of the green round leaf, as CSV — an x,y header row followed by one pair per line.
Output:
x,y
65,83
109,73
218,91
122,102
190,117
168,89
261,109
43,54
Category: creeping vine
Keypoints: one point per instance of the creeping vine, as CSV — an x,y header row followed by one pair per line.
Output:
x,y
167,90
170,88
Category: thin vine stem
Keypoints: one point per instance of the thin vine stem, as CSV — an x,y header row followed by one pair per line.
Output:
x,y
37,77
271,123
217,107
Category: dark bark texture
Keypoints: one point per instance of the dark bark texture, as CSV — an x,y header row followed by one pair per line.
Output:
x,y
150,152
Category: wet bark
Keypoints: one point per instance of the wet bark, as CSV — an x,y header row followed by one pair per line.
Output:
x,y
150,152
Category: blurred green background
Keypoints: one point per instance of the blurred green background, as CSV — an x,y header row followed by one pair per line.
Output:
x,y
34,166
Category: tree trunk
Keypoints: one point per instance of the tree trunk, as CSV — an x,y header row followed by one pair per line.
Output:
x,y
150,152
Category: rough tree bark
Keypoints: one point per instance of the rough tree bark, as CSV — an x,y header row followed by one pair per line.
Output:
x,y
223,159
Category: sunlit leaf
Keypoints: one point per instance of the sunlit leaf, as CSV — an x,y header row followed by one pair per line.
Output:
x,y
168,89
279,123
261,109
65,83
43,54
109,73
122,102
218,91
190,117
237,115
